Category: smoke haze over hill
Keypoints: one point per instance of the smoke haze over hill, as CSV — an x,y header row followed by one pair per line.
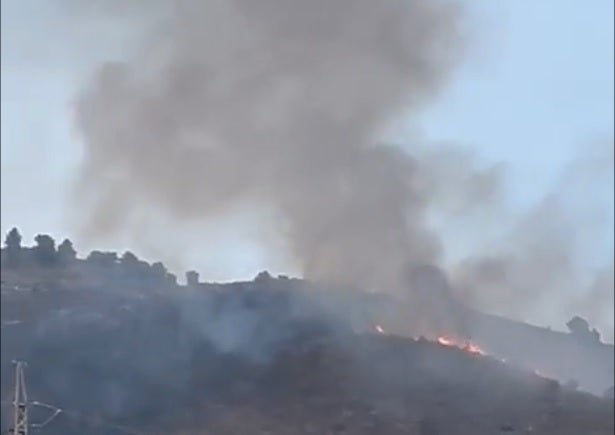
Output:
x,y
280,106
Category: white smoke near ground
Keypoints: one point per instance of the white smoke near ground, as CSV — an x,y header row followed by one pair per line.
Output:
x,y
280,106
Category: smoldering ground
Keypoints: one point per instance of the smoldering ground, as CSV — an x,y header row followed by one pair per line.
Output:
x,y
165,355
185,358
282,105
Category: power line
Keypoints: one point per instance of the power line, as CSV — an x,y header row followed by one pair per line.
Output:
x,y
21,424
21,407
56,412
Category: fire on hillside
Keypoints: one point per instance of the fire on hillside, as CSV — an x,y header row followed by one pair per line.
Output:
x,y
448,341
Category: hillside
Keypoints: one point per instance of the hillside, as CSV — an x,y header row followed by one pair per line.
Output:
x,y
124,349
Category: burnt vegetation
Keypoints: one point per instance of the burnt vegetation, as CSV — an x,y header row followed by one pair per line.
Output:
x,y
121,347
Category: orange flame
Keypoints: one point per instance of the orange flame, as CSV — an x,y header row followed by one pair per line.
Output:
x,y
447,341
468,347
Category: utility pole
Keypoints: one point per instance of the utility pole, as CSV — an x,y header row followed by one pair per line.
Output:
x,y
20,401
21,405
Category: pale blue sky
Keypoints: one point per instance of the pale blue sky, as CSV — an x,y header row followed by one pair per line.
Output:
x,y
537,86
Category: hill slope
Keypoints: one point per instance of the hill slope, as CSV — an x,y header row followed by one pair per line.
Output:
x,y
265,357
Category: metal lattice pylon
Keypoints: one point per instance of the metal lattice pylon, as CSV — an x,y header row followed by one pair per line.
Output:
x,y
20,401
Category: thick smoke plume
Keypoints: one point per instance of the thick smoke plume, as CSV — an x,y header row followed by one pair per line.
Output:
x,y
280,104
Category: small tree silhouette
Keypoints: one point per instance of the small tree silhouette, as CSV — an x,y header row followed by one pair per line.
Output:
x,y
579,327
12,245
103,259
45,250
192,278
159,270
171,279
66,252
263,276
129,260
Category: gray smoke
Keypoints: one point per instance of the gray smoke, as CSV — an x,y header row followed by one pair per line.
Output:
x,y
278,104
543,268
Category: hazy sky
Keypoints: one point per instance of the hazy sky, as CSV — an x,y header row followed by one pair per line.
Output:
x,y
536,88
